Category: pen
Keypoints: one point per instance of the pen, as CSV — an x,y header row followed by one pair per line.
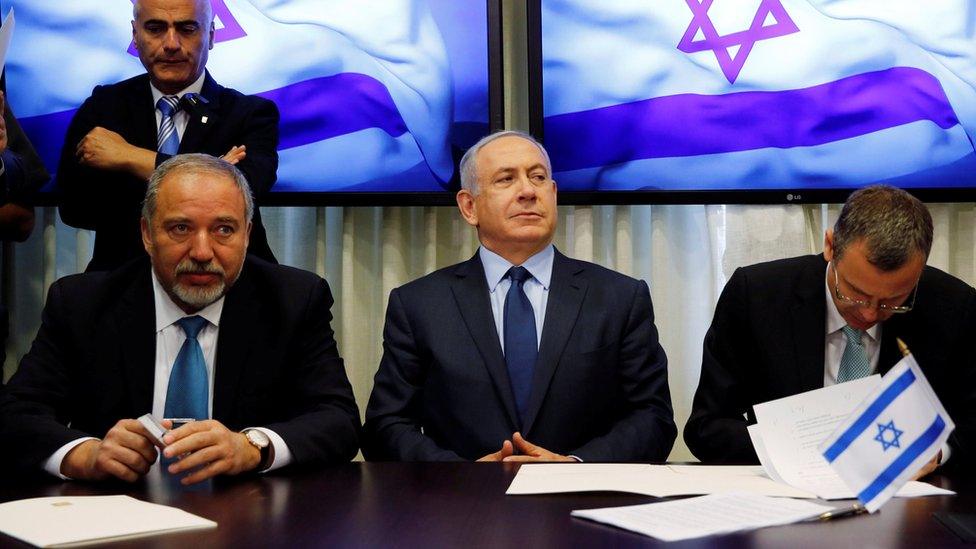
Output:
x,y
855,509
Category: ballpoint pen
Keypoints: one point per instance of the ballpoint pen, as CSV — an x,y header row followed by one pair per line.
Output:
x,y
855,509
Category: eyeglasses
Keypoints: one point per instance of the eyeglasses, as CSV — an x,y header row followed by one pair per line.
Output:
x,y
867,304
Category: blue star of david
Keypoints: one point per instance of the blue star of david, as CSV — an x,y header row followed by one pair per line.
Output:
x,y
891,440
744,40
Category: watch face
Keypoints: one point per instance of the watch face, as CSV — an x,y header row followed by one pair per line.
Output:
x,y
258,438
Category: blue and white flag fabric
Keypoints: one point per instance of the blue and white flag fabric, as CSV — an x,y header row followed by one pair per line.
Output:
x,y
685,94
898,428
364,88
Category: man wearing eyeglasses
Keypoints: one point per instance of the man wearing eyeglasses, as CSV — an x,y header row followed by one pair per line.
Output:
x,y
794,325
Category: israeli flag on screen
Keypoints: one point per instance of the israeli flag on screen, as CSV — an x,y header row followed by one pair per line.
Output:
x,y
364,88
898,428
683,94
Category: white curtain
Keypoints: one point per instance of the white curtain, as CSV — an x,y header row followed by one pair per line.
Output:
x,y
685,253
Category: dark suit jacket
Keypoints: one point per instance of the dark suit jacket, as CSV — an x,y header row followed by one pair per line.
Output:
x,y
24,173
110,203
767,341
600,388
92,364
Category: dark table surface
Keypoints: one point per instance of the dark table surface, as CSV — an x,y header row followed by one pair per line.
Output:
x,y
464,505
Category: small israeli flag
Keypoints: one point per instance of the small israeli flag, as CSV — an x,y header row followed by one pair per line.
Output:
x,y
899,427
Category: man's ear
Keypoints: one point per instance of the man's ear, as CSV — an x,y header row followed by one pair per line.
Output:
x,y
466,203
212,31
147,242
829,245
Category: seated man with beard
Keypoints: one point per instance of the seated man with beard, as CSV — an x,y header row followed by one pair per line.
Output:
x,y
197,330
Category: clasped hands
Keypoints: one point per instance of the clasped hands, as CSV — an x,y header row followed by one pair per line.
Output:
x,y
527,452
107,150
208,449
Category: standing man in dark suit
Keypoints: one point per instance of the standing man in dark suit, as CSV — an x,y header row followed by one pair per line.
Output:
x,y
123,131
197,331
520,353
22,174
790,326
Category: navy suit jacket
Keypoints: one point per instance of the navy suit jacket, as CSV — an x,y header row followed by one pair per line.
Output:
x,y
599,391
767,341
93,362
110,203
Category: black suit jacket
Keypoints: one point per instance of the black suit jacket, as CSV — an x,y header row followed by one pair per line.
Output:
x,y
92,364
767,341
600,387
110,203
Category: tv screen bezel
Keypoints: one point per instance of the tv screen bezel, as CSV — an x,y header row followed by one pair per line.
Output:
x,y
783,195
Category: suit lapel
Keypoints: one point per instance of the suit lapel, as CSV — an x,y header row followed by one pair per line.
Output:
x,y
239,323
471,294
137,338
566,292
204,117
808,318
142,115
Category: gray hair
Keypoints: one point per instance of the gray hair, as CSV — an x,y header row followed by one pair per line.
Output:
x,y
893,224
207,10
469,165
196,163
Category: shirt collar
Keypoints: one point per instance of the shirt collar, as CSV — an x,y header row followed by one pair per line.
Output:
x,y
168,312
539,266
195,87
836,322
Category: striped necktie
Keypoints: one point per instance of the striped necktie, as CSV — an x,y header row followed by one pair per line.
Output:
x,y
168,140
854,363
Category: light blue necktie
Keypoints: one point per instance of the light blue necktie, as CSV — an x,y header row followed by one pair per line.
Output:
x,y
168,140
188,389
521,346
854,363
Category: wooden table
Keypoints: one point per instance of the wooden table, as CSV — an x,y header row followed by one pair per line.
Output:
x,y
464,505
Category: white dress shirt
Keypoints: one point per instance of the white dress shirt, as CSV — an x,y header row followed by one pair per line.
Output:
x,y
836,341
182,118
536,288
169,340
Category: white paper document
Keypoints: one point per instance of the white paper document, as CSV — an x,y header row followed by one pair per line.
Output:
x,y
6,31
705,515
650,480
77,520
789,430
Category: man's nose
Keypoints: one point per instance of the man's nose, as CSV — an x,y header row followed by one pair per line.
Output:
x,y
201,247
526,188
171,41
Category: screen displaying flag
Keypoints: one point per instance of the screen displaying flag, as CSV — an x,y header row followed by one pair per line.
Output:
x,y
759,94
898,428
375,95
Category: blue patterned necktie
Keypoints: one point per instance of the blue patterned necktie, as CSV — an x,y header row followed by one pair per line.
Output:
x,y
168,140
188,389
854,363
521,347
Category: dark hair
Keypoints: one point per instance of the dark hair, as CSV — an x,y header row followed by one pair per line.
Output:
x,y
893,224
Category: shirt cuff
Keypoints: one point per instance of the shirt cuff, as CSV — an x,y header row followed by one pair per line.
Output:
x,y
53,463
577,458
282,454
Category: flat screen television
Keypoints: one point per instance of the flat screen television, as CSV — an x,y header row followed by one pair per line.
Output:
x,y
378,99
754,101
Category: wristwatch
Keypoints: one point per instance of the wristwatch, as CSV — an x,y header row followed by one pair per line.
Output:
x,y
259,440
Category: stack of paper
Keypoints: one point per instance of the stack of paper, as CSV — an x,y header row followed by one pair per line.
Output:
x,y
788,432
651,480
54,521
704,516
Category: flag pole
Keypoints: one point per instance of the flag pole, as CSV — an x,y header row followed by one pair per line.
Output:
x,y
902,347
